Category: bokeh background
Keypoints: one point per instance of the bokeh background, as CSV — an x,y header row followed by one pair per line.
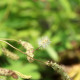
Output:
x,y
31,19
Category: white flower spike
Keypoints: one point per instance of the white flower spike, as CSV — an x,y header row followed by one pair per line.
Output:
x,y
43,42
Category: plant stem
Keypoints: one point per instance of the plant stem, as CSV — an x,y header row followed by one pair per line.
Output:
x,y
9,39
55,66
36,49
13,46
20,50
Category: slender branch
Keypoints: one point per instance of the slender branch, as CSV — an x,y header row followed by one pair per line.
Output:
x,y
13,46
20,50
9,39
36,49
55,66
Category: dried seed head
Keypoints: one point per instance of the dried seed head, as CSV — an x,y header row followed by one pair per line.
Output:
x,y
22,75
29,53
26,45
6,72
43,42
49,63
14,74
10,54
29,50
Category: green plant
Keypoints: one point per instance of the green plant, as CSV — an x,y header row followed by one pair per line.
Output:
x,y
30,57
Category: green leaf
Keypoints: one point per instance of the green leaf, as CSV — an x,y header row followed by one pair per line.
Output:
x,y
52,53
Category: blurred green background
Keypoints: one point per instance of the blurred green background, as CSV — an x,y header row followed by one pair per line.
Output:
x,y
31,19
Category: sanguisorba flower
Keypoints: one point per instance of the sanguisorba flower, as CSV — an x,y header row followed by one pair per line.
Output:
x,y
43,42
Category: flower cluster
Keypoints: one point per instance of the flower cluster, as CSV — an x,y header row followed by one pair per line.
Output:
x,y
43,42
14,74
10,54
29,50
6,72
